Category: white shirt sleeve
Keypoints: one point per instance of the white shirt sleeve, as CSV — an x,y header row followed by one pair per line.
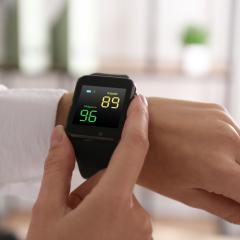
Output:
x,y
2,87
27,117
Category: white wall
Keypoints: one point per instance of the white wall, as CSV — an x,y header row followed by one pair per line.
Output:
x,y
123,28
173,17
2,31
235,71
122,33
220,27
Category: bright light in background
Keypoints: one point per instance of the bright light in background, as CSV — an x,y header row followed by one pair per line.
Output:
x,y
82,36
34,39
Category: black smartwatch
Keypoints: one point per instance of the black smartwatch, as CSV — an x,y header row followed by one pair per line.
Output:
x,y
97,117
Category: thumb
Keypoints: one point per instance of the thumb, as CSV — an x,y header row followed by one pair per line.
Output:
x,y
58,170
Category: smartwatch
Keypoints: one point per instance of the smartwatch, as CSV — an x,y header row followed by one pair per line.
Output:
x,y
97,117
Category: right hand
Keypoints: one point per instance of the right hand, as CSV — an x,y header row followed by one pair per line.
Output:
x,y
104,207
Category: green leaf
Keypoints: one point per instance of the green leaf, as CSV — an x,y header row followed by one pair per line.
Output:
x,y
194,34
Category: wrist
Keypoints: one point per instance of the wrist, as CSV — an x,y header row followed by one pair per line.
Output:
x,y
145,177
62,114
63,108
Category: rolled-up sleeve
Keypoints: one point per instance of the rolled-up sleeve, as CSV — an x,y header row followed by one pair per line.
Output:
x,y
27,117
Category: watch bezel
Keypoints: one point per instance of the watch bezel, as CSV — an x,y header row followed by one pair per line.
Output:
x,y
97,132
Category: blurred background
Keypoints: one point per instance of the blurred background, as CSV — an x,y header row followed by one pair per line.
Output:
x,y
172,48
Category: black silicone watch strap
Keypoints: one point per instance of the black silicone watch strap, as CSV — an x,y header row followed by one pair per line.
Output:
x,y
93,154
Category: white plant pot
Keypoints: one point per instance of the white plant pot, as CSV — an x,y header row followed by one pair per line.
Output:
x,y
196,60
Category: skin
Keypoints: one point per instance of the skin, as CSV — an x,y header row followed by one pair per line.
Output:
x,y
102,208
193,157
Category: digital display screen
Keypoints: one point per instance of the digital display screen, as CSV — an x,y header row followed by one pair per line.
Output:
x,y
99,106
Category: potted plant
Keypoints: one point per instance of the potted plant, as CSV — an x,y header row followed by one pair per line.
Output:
x,y
196,59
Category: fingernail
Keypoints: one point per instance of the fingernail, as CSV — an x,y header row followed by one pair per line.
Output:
x,y
57,136
144,100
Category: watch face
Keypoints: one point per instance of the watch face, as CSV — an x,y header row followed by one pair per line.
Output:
x,y
99,106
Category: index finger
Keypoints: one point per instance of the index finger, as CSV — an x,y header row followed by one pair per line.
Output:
x,y
128,158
